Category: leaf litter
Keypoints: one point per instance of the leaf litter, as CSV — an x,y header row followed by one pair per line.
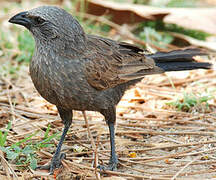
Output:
x,y
154,140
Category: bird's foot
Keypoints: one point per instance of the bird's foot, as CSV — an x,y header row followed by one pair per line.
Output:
x,y
112,166
55,163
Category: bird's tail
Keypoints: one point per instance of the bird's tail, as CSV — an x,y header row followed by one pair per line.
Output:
x,y
179,60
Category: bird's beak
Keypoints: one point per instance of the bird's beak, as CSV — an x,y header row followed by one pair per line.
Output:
x,y
21,19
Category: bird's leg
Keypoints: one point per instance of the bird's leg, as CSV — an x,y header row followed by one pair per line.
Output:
x,y
110,117
113,159
66,116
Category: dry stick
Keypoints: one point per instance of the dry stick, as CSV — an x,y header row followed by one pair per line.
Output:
x,y
188,120
200,163
89,152
31,111
5,167
178,154
167,125
182,169
108,155
108,172
154,173
159,111
159,94
164,157
170,92
200,152
28,112
141,158
182,154
87,158
198,172
144,87
85,141
82,130
174,146
3,99
92,169
156,111
161,147
172,120
179,82
111,172
165,133
178,165
143,150
142,171
4,162
170,139
101,152
93,146
183,164
74,170
11,105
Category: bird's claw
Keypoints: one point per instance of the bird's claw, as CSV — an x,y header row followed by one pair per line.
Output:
x,y
55,163
112,166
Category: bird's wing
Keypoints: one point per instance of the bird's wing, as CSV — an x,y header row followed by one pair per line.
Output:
x,y
111,63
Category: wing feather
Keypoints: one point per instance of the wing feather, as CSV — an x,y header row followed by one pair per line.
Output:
x,y
111,63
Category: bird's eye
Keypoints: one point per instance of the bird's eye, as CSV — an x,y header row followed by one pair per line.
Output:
x,y
39,20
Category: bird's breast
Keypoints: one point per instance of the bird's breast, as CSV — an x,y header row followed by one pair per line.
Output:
x,y
62,82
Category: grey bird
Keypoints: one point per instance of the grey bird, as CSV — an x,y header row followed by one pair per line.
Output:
x,y
78,71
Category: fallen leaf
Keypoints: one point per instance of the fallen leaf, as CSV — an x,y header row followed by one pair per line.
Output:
x,y
192,18
132,155
167,161
205,157
206,44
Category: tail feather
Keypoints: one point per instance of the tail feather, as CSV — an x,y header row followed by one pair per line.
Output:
x,y
181,66
179,60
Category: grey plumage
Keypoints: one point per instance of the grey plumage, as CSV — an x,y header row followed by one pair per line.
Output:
x,y
76,71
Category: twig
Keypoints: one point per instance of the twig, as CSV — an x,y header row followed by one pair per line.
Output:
x,y
184,81
165,133
182,121
29,112
10,103
93,146
178,154
183,168
171,139
109,172
7,166
199,172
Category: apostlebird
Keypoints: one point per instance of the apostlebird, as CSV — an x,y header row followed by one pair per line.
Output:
x,y
77,71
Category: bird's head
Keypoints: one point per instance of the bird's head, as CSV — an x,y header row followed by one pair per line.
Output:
x,y
48,23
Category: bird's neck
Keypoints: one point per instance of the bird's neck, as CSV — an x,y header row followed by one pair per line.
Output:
x,y
77,42
71,49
